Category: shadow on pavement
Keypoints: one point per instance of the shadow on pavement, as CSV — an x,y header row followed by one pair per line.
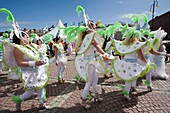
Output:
x,y
55,89
112,103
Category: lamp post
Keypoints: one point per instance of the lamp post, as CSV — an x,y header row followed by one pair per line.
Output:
x,y
152,9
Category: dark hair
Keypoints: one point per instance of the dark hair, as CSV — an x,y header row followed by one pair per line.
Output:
x,y
15,39
56,39
90,23
37,41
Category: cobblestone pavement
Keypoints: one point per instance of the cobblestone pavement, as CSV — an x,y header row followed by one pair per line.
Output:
x,y
65,98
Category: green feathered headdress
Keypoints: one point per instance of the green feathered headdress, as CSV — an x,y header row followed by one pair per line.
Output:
x,y
132,33
128,33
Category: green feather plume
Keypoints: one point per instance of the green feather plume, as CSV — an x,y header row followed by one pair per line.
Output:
x,y
101,33
71,36
124,28
10,29
79,10
10,17
103,26
33,35
108,33
81,29
117,26
144,18
48,38
133,17
73,31
67,29
5,35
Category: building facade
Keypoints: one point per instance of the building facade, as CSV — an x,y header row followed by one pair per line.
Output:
x,y
161,21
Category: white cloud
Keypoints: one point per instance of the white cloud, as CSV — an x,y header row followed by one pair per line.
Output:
x,y
5,24
122,2
126,15
122,16
25,23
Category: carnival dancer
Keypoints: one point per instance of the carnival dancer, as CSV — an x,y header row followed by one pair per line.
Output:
x,y
33,70
33,73
61,59
3,37
108,34
156,43
86,65
91,71
12,73
109,50
129,69
159,60
42,48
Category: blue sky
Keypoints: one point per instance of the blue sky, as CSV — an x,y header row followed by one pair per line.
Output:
x,y
40,13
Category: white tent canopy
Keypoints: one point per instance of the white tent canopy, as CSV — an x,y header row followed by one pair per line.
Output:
x,y
61,33
55,30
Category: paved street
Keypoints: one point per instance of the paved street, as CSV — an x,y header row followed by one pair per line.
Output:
x,y
65,98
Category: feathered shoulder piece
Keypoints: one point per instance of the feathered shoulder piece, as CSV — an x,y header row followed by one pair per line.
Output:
x,y
108,31
72,32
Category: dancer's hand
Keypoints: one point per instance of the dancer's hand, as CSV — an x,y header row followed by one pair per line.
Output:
x,y
39,63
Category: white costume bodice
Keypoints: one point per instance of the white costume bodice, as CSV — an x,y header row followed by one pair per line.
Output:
x,y
42,49
61,55
131,56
